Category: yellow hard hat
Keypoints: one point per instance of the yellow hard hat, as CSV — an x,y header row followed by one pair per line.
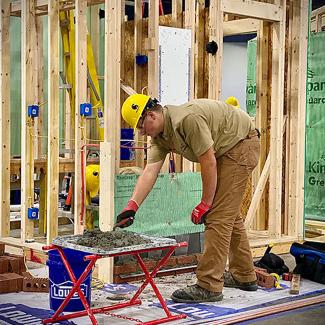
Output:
x,y
133,108
233,101
92,179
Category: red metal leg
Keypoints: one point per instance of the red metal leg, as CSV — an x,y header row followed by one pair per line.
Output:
x,y
134,300
149,279
76,287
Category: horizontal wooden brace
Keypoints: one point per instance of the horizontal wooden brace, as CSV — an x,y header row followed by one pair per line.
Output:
x,y
240,26
252,9
41,6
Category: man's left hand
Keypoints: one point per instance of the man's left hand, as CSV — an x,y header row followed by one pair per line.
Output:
x,y
200,212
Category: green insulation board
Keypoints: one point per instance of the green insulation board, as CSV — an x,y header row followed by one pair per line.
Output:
x,y
315,129
251,78
167,209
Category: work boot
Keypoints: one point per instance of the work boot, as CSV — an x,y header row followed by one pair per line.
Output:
x,y
230,282
195,293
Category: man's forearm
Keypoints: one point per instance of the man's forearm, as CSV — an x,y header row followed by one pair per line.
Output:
x,y
208,164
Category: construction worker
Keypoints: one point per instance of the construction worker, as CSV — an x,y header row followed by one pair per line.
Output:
x,y
223,140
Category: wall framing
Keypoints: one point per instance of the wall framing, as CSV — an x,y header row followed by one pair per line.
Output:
x,y
268,19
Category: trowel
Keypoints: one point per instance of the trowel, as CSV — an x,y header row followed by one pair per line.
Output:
x,y
122,222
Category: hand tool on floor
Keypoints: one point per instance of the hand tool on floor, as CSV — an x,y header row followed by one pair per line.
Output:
x,y
277,280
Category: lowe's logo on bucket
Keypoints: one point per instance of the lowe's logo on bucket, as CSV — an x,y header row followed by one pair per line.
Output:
x,y
61,290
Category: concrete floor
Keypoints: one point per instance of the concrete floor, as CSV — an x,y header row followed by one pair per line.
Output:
x,y
234,298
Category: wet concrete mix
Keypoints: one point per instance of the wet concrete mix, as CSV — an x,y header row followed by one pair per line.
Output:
x,y
108,240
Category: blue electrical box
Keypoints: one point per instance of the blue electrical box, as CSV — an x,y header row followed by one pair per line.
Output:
x,y
86,109
32,213
33,110
141,59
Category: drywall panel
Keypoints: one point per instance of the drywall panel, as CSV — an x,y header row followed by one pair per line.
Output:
x,y
174,65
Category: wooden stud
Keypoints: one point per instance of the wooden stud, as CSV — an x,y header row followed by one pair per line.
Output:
x,y
138,74
106,207
189,23
177,13
122,54
81,97
153,70
215,61
199,49
40,86
112,123
69,67
276,141
262,89
28,97
53,121
5,118
297,118
112,76
95,41
153,24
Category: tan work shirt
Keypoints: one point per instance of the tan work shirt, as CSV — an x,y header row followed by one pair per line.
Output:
x,y
194,127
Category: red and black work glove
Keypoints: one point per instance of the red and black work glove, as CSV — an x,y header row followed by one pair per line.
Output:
x,y
200,212
126,217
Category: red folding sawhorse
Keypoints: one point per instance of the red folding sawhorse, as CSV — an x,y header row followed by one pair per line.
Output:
x,y
132,302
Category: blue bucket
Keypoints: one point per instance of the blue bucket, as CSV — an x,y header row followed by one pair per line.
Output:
x,y
125,153
60,282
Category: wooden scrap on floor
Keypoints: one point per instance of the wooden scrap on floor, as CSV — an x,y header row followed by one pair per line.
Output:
x,y
270,310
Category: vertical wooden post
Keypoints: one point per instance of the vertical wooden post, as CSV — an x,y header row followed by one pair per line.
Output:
x,y
190,24
81,97
177,13
111,126
199,50
95,41
297,118
138,73
215,61
28,97
40,84
95,33
276,141
153,34
53,121
262,89
177,21
5,118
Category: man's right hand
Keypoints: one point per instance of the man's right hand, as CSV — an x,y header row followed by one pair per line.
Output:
x,y
127,215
